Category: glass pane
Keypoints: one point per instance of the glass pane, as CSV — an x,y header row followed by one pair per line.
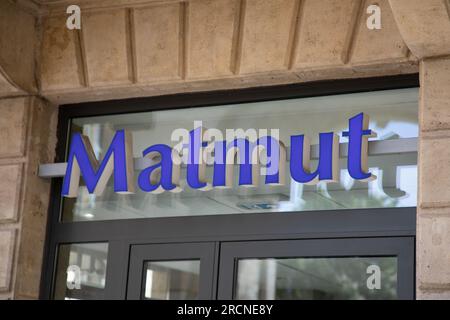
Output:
x,y
317,278
393,115
81,271
172,280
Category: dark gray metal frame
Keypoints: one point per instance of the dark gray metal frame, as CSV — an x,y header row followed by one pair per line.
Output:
x,y
402,248
203,251
123,234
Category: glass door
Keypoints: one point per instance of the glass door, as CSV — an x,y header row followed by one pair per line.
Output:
x,y
332,269
171,271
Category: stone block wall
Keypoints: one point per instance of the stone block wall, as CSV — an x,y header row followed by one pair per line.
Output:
x,y
433,219
132,48
27,138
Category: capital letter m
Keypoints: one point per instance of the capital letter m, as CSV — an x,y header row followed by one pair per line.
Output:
x,y
82,162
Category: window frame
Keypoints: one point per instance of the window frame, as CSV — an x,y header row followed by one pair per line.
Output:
x,y
398,247
122,234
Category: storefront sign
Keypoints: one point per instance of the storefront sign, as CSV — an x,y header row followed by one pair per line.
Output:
x,y
164,172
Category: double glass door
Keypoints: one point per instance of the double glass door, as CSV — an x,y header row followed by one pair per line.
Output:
x,y
348,268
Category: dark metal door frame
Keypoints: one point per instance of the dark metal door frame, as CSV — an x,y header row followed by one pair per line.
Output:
x,y
122,235
205,252
402,248
218,270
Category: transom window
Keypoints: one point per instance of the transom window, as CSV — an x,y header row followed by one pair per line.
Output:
x,y
393,116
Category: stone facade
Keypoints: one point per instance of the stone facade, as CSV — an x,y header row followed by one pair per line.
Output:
x,y
199,45
433,219
202,45
28,129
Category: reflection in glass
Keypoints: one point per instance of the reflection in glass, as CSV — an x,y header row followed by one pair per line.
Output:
x,y
171,280
393,115
81,271
316,279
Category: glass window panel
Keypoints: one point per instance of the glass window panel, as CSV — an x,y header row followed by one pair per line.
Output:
x,y
393,115
81,271
317,278
172,280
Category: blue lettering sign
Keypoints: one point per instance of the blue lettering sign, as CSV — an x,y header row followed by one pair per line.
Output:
x,y
82,161
159,177
358,134
327,168
164,172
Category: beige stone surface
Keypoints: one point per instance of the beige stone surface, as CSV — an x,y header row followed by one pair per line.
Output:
x,y
10,190
6,258
267,35
107,46
13,126
135,48
18,38
433,295
157,41
41,149
433,254
435,94
433,222
233,82
28,138
212,35
434,172
5,296
218,41
61,64
424,25
324,32
7,86
378,45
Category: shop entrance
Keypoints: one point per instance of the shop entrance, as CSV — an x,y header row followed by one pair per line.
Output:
x,y
360,268
347,239
352,254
